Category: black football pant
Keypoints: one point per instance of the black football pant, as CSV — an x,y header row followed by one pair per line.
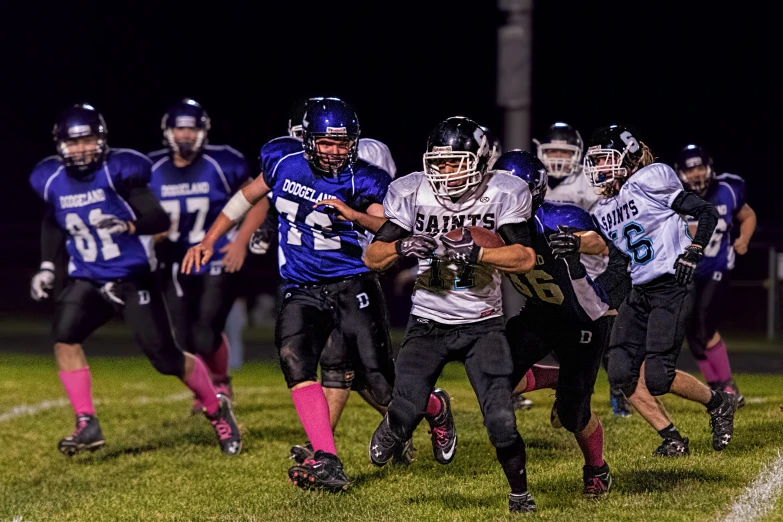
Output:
x,y
649,328
356,309
534,333
84,306
199,306
710,297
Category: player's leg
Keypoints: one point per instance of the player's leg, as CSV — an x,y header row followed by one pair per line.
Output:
x,y
422,356
489,366
671,308
300,333
146,316
337,375
527,347
80,310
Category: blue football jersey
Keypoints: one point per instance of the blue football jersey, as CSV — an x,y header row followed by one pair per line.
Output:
x,y
80,204
727,193
194,195
550,284
316,246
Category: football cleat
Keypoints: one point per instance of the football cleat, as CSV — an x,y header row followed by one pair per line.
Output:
x,y
301,453
323,471
87,436
405,453
226,427
224,388
521,503
722,420
444,434
620,405
673,448
597,481
729,386
520,402
383,445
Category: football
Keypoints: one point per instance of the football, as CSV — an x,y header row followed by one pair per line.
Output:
x,y
481,236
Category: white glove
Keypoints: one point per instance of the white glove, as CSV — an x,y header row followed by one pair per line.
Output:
x,y
42,281
112,224
259,242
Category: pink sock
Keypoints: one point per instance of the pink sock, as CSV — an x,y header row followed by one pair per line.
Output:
x,y
313,411
217,362
433,406
539,377
705,367
719,360
593,446
200,383
77,386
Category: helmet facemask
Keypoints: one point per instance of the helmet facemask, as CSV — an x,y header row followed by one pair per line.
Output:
x,y
605,167
187,149
452,174
326,154
80,163
560,167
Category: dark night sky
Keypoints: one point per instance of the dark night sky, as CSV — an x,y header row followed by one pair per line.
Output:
x,y
700,73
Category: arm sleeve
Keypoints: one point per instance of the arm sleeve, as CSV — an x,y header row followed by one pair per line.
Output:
x,y
516,234
661,184
390,232
52,238
150,216
705,213
517,206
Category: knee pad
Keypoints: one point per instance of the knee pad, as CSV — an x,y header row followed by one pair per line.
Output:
x,y
621,375
574,412
658,380
296,369
502,428
339,379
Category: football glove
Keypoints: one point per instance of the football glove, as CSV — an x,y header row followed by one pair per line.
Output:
x,y
463,250
564,242
685,266
112,224
259,241
420,245
42,281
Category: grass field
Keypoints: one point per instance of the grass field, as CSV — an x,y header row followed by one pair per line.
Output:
x,y
161,464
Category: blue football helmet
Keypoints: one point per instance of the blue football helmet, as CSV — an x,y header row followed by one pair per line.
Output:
x,y
187,113
73,126
527,166
690,157
334,119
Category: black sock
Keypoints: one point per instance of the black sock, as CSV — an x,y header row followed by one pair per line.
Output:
x,y
513,460
670,432
715,401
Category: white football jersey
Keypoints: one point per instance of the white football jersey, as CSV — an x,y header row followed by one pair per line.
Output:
x,y
377,153
641,223
577,190
446,292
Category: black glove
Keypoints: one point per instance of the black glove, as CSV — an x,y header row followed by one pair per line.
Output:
x,y
685,266
113,225
564,243
259,241
463,250
421,246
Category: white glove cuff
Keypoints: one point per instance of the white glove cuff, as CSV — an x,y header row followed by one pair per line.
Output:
x,y
237,207
47,265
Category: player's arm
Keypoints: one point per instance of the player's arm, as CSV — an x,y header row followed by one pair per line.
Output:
x,y
517,257
372,220
392,241
704,212
151,219
591,242
747,219
53,239
236,251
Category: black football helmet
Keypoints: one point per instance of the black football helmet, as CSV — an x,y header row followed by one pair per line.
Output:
x,y
526,165
296,115
561,137
78,122
690,157
614,152
495,148
461,141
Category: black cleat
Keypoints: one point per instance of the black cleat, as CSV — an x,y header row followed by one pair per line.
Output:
x,y
672,448
521,503
444,434
87,437
301,453
383,445
731,387
324,471
597,480
226,427
405,453
520,402
722,420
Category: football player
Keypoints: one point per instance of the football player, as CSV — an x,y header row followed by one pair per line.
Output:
x,y
99,206
193,181
565,312
641,215
727,193
325,283
561,152
457,308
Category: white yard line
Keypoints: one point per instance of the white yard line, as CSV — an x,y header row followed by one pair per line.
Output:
x,y
760,497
